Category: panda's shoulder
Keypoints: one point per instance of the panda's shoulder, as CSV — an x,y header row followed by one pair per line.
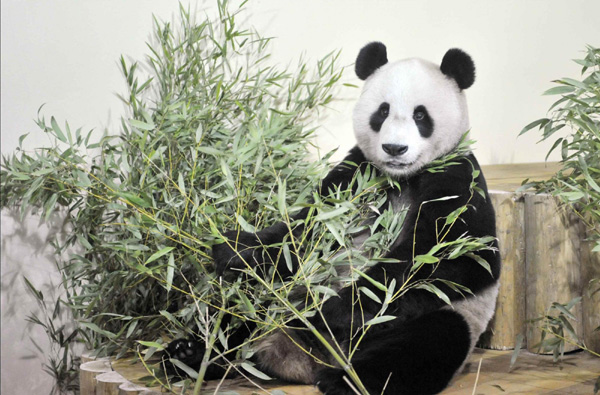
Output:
x,y
455,178
456,174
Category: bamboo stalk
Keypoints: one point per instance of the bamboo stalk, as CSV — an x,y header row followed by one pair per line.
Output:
x,y
209,346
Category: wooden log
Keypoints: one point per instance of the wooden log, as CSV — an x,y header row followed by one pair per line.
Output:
x,y
87,375
553,235
87,356
109,383
129,388
509,318
591,297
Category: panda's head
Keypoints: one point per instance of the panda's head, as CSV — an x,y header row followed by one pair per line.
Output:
x,y
412,111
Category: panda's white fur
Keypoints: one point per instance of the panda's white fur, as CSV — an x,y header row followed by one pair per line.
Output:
x,y
406,84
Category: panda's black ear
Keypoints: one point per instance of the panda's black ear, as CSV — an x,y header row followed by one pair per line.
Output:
x,y
458,65
371,57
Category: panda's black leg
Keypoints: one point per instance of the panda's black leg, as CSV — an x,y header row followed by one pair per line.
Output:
x,y
415,357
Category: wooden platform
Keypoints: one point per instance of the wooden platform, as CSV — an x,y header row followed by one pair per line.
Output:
x,y
532,374
508,178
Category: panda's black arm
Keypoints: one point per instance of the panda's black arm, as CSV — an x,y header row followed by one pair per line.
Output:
x,y
442,194
477,221
341,175
244,248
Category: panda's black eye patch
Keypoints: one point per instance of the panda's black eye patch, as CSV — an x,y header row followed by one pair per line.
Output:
x,y
423,121
379,116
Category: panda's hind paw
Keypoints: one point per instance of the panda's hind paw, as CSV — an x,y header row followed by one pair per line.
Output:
x,y
330,381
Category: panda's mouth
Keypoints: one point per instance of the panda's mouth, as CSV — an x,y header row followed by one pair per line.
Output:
x,y
398,165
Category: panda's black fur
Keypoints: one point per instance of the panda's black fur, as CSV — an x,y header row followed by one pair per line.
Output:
x,y
421,350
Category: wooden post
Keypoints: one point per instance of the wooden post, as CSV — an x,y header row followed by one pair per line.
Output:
x,y
553,235
86,356
509,319
128,388
591,297
87,375
109,383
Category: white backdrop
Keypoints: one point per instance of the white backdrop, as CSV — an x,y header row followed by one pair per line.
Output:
x,y
64,53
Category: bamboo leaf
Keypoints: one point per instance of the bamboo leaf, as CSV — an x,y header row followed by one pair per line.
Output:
x,y
481,261
255,372
210,151
380,319
370,294
244,224
57,131
331,214
324,290
540,122
518,345
159,347
158,254
335,233
141,125
170,272
433,289
97,329
181,184
559,90
376,283
426,259
189,371
133,199
281,194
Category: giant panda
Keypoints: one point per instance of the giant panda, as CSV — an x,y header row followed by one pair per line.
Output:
x,y
409,113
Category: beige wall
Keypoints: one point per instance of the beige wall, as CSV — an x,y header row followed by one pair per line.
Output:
x,y
64,53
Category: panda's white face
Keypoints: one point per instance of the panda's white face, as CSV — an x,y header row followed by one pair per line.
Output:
x,y
409,113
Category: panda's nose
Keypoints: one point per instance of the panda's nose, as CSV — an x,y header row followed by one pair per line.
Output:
x,y
394,149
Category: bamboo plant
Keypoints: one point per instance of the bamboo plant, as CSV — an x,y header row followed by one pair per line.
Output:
x,y
215,137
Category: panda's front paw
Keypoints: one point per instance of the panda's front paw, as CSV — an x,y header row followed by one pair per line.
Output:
x,y
240,250
188,351
191,352
330,381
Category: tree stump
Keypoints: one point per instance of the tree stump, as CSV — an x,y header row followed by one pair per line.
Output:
x,y
509,318
544,255
591,297
553,241
109,383
88,371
